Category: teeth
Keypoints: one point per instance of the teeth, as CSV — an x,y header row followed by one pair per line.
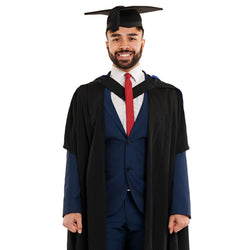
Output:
x,y
124,55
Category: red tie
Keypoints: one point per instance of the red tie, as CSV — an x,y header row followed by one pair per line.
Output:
x,y
129,103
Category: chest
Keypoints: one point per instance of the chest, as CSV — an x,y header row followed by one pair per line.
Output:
x,y
115,116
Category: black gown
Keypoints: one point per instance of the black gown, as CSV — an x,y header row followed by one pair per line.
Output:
x,y
166,137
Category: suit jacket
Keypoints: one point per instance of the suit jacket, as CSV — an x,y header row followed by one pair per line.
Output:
x,y
125,157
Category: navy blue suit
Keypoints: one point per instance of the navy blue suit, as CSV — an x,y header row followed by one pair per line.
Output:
x,y
125,157
125,177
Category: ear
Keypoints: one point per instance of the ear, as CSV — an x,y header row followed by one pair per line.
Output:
x,y
107,45
143,44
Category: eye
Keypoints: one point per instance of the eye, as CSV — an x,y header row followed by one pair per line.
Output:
x,y
132,38
115,40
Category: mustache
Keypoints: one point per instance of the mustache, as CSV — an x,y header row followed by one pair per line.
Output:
x,y
124,51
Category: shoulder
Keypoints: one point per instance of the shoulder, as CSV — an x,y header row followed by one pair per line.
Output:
x,y
89,88
164,87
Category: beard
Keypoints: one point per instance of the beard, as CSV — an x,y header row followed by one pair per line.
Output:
x,y
125,64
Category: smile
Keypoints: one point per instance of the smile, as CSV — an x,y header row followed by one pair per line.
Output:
x,y
124,55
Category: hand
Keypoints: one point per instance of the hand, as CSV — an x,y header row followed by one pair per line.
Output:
x,y
177,222
73,222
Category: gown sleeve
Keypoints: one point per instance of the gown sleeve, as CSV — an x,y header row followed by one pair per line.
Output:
x,y
70,128
182,140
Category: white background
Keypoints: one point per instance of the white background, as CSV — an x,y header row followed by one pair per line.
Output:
x,y
48,48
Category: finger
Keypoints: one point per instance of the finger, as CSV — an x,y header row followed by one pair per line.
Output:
x,y
79,224
171,224
179,226
70,225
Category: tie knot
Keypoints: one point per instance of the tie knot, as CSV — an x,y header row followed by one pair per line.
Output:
x,y
127,75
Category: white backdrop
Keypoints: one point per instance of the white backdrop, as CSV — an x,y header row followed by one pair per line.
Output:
x,y
48,48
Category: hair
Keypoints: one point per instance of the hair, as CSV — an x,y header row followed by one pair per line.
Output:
x,y
138,28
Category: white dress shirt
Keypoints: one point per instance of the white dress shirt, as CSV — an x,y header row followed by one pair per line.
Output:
x,y
137,76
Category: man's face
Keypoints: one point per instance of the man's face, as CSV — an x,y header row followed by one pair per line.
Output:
x,y
125,47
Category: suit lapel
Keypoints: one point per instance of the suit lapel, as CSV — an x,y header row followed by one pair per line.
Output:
x,y
109,106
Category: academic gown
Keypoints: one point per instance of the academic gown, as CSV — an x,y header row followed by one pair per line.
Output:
x,y
166,137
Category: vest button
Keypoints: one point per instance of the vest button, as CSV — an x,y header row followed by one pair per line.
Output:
x,y
128,168
128,141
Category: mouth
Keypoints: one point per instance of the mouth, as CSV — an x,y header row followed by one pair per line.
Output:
x,y
124,55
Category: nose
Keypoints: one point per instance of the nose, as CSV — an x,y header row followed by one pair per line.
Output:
x,y
124,45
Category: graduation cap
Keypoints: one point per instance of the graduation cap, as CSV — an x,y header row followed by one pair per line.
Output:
x,y
124,16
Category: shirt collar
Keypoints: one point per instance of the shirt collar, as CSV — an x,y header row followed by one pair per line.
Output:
x,y
136,73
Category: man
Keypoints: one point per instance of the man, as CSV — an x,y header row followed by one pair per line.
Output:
x,y
126,184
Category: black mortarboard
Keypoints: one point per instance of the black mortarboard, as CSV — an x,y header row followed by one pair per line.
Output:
x,y
124,16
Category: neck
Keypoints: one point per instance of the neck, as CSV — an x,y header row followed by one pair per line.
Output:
x,y
127,70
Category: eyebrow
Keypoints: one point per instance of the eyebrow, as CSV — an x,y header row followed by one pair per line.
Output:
x,y
132,34
116,34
